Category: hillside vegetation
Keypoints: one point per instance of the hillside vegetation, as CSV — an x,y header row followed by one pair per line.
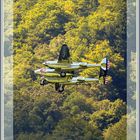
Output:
x,y
92,29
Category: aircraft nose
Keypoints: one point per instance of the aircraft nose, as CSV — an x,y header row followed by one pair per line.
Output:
x,y
36,71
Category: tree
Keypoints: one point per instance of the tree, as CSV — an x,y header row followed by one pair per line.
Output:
x,y
117,131
93,30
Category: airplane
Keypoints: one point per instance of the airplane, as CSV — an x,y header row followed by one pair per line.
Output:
x,y
51,76
61,72
63,65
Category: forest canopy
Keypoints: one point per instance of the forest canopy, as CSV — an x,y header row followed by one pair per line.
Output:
x,y
92,29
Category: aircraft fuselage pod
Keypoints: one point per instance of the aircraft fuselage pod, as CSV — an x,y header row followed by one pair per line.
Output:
x,y
70,80
48,72
69,66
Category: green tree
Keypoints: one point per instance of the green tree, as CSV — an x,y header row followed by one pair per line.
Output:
x,y
117,131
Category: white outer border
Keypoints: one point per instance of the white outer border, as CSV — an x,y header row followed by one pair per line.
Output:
x,y
137,70
2,81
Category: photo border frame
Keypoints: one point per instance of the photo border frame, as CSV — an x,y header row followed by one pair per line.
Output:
x,y
137,71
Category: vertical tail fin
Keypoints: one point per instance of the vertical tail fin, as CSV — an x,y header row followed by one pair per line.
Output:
x,y
105,65
64,53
